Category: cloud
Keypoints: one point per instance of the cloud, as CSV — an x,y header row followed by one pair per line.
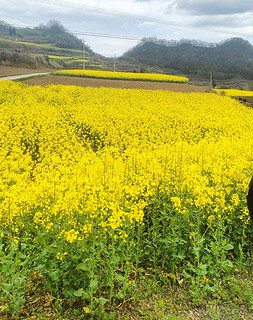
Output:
x,y
72,19
214,7
227,21
164,1
147,24
168,4
200,14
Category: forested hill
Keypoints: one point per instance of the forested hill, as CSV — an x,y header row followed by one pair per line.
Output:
x,y
52,32
227,59
50,45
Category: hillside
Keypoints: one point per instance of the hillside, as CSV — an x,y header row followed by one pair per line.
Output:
x,y
34,47
51,46
51,33
230,58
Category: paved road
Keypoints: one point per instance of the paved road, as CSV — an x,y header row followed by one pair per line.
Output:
x,y
22,76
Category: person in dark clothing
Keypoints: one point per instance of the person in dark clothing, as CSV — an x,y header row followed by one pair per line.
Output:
x,y
249,196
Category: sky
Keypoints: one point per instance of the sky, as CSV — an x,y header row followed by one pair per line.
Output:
x,y
206,20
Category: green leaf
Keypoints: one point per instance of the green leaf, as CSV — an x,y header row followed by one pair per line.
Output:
x,y
40,267
93,283
23,246
228,247
202,269
213,288
83,267
79,293
21,255
69,292
24,263
120,295
102,301
120,277
191,268
186,275
43,253
224,242
8,286
213,246
226,265
54,275
19,304
181,256
42,240
86,310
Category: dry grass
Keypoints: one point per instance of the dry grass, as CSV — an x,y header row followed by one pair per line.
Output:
x,y
12,71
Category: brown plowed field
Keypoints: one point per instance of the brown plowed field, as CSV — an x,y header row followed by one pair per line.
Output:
x,y
88,82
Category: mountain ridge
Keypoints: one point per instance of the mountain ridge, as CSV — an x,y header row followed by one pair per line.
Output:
x,y
229,58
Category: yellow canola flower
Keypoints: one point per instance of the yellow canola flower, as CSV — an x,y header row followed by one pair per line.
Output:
x,y
121,75
71,235
235,92
176,202
85,160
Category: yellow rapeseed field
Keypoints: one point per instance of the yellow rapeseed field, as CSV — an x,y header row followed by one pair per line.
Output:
x,y
122,75
235,92
85,158
61,57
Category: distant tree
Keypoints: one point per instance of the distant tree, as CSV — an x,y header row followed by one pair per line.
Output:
x,y
42,26
55,26
3,23
4,26
236,42
10,31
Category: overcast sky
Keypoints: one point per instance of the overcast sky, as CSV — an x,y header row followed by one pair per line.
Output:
x,y
190,19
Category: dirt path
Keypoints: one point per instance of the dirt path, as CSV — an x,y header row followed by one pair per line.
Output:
x,y
23,76
46,80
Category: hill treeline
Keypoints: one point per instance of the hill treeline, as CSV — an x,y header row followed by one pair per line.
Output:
x,y
227,59
53,32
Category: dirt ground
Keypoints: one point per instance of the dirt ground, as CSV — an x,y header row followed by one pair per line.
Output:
x,y
87,82
248,101
12,71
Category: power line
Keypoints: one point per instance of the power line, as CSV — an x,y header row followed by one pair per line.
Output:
x,y
101,35
130,15
90,34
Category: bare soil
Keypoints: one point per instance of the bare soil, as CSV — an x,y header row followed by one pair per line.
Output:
x,y
87,82
13,71
248,101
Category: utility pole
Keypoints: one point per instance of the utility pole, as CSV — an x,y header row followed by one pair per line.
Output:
x,y
83,55
114,63
211,79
